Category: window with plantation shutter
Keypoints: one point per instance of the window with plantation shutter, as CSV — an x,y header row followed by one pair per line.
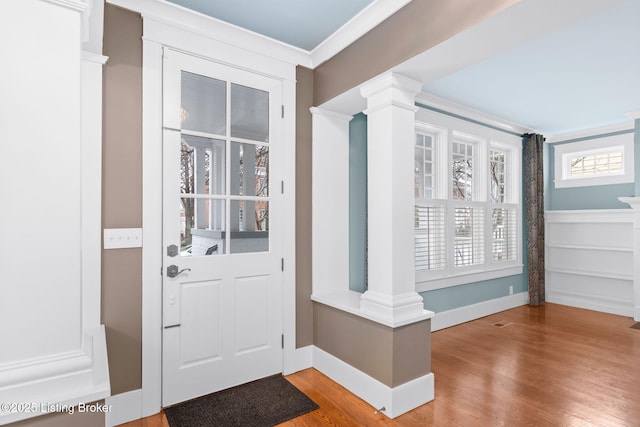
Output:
x,y
467,207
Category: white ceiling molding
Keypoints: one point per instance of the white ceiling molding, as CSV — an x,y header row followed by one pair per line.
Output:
x,y
355,28
618,127
206,26
470,113
633,114
198,23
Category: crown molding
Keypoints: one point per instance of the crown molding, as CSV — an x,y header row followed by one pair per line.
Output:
x,y
198,23
355,28
195,22
618,127
470,113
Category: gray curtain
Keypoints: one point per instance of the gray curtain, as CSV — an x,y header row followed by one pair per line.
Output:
x,y
534,215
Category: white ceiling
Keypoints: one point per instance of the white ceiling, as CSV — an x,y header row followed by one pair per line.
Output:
x,y
553,66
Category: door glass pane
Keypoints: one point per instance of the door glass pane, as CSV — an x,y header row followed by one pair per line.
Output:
x,y
202,226
204,104
249,226
249,113
202,165
249,170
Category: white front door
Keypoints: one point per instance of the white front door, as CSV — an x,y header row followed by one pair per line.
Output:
x,y
222,227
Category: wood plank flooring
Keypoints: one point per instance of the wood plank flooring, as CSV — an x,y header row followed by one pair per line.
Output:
x,y
530,366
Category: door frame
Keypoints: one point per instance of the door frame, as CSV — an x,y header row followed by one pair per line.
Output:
x,y
157,36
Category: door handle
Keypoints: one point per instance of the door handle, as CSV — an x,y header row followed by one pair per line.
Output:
x,y
172,271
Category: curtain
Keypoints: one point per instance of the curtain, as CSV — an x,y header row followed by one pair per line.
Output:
x,y
534,215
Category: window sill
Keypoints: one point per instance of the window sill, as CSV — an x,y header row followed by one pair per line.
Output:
x,y
424,285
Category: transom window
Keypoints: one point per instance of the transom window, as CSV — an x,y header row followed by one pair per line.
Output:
x,y
598,161
467,205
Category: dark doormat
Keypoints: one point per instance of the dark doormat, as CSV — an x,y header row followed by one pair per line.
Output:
x,y
263,403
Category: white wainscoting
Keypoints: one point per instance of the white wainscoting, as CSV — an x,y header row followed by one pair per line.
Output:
x,y
589,259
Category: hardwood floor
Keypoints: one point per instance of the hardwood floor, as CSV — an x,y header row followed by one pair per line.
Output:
x,y
539,366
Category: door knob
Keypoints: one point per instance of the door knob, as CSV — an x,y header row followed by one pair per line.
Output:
x,y
172,271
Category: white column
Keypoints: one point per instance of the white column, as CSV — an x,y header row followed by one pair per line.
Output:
x,y
330,202
634,202
391,109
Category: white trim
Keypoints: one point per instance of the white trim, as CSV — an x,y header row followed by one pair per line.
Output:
x,y
470,113
468,277
65,379
233,35
395,400
603,303
91,187
124,407
591,133
202,25
94,57
634,202
289,237
590,248
151,228
76,5
300,359
210,47
330,114
355,28
589,216
590,273
350,302
446,319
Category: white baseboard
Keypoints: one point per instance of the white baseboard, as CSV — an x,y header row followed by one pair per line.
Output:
x,y
64,380
636,314
396,400
125,407
605,304
302,358
446,319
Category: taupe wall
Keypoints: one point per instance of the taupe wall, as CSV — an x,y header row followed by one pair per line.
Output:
x,y
304,306
415,28
122,195
393,356
63,419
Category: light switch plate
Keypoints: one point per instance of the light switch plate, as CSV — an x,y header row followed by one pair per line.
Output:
x,y
116,238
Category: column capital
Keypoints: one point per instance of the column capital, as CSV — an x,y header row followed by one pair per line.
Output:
x,y
315,111
390,89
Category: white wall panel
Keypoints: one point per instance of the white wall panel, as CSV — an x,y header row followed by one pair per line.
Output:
x,y
589,259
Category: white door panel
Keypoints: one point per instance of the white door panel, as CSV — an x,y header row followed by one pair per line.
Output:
x,y
222,302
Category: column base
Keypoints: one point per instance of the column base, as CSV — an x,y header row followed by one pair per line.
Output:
x,y
394,310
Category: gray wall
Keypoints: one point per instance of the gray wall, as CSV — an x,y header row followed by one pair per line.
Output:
x,y
392,356
304,307
417,27
122,195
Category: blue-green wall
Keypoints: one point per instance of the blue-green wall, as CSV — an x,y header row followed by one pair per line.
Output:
x,y
592,197
438,300
596,197
357,202
472,293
